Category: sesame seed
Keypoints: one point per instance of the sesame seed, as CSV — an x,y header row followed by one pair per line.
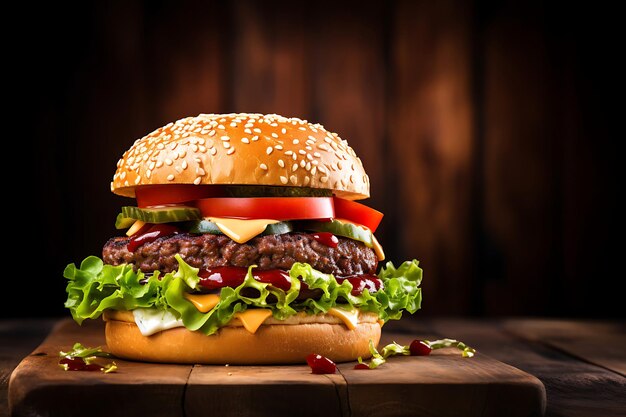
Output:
x,y
263,167
248,131
288,152
230,151
226,145
294,179
212,133
170,177
302,163
233,124
339,165
283,179
202,148
269,150
302,152
324,179
256,130
312,138
307,180
351,179
168,161
296,141
302,128
327,140
184,165
159,164
173,145
186,134
178,169
213,151
313,170
194,148
294,156
201,141
308,166
245,140
182,154
278,147
308,148
274,135
200,172
148,173
255,138
198,160
283,130
281,163
294,167
197,180
317,154
225,138
160,146
221,127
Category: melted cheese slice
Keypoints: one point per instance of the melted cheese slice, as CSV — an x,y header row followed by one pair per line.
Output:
x,y
203,302
253,319
240,230
349,317
378,249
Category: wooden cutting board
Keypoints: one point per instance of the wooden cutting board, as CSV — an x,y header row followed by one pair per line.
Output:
x,y
442,384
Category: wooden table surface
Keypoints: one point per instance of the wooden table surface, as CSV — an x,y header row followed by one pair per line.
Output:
x,y
581,363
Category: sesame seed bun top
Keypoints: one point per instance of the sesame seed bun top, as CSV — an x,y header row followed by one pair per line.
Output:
x,y
242,149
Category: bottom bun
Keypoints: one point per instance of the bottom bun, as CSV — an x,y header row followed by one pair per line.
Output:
x,y
271,344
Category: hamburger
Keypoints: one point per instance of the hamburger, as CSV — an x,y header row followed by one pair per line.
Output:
x,y
245,245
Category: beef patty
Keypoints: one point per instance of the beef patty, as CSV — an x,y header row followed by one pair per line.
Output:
x,y
350,257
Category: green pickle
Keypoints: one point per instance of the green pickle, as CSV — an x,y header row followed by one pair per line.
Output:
x,y
168,214
206,226
339,228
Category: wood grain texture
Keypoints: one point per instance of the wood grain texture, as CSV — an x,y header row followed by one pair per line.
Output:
x,y
574,388
431,146
407,386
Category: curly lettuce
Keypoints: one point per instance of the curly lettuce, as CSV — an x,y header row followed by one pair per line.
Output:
x,y
95,287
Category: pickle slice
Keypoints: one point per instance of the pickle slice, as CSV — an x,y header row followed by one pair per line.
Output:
x,y
206,226
339,228
168,214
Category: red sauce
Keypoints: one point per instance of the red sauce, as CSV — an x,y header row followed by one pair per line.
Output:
x,y
320,364
419,348
149,233
361,366
362,282
232,276
326,238
79,364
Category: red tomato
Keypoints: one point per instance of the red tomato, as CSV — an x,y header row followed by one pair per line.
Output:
x,y
279,208
357,213
156,195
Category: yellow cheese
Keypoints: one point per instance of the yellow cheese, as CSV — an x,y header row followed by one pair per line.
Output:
x,y
240,230
378,249
203,302
350,318
253,319
135,228
381,322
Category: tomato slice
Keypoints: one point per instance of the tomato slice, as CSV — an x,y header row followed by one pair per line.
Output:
x,y
357,213
156,195
278,208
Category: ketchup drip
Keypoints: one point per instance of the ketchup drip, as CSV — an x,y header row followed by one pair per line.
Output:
x,y
362,282
79,364
232,276
326,238
149,233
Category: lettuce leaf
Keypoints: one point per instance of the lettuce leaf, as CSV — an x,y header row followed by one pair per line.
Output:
x,y
94,287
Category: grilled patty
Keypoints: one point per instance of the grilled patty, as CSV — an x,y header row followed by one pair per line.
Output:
x,y
350,257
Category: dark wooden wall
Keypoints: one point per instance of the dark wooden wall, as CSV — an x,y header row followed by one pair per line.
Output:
x,y
484,128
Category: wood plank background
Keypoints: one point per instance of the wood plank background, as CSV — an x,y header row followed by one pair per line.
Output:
x,y
484,127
